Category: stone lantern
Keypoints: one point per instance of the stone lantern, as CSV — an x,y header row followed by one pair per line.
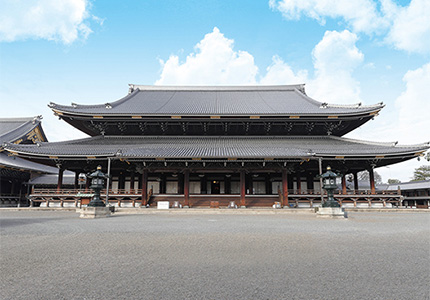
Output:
x,y
330,208
97,184
329,184
96,208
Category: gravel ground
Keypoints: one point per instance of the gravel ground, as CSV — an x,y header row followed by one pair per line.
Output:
x,y
56,255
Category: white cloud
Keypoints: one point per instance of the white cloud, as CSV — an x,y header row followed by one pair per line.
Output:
x,y
414,106
213,62
281,73
216,62
406,28
335,58
410,30
55,20
361,15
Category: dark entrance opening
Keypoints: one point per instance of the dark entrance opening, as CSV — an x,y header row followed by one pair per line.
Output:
x,y
215,187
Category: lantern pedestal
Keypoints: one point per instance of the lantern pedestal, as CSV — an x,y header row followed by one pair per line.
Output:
x,y
95,212
331,213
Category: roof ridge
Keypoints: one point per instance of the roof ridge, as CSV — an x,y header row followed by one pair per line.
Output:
x,y
215,87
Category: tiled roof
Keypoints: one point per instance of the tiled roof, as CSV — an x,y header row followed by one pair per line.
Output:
x,y
223,101
18,163
52,179
214,147
12,129
411,185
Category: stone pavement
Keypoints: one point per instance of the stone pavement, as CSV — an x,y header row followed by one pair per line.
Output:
x,y
56,255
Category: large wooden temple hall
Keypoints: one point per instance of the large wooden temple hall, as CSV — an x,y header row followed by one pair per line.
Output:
x,y
203,146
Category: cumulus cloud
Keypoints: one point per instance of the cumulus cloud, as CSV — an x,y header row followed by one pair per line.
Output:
x,y
63,21
335,59
414,107
216,62
280,72
213,62
361,15
410,28
406,28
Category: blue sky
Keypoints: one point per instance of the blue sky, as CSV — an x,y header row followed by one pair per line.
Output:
x,y
345,51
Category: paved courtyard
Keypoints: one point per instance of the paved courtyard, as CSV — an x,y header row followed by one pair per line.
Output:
x,y
56,255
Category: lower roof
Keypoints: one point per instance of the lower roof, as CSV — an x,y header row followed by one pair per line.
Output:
x,y
212,147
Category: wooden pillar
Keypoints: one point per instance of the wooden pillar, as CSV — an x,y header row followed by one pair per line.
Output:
x,y
249,184
121,181
87,183
60,179
131,181
186,186
227,185
76,184
145,187
310,182
344,185
285,187
299,184
162,184
355,174
203,185
268,184
181,189
242,188
372,181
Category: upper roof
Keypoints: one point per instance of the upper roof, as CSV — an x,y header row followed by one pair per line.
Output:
x,y
215,100
21,129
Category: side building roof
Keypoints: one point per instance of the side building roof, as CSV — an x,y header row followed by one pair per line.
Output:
x,y
25,131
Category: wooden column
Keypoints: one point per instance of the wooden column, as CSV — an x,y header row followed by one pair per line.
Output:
x,y
285,187
299,184
132,181
242,188
249,184
60,179
76,184
121,181
203,185
181,186
87,183
355,180
162,184
344,185
187,188
310,182
227,185
268,184
144,187
372,181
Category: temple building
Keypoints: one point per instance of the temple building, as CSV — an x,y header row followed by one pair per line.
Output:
x,y
209,146
15,171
